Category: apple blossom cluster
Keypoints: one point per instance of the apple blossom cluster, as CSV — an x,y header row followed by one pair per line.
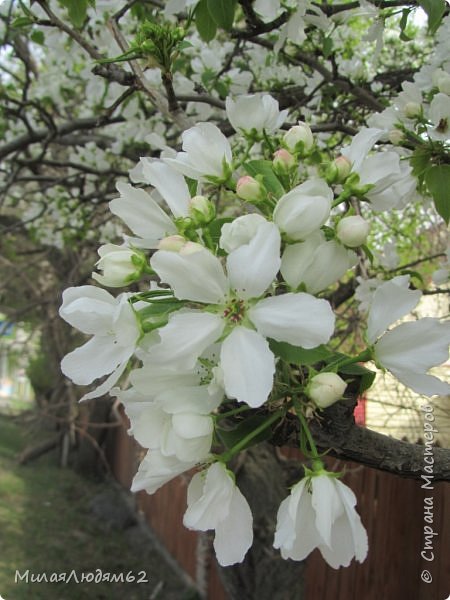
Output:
x,y
235,258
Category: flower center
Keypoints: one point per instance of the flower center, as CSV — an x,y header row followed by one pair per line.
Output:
x,y
442,126
234,311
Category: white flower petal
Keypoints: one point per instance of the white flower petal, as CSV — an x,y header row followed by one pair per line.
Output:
x,y
189,425
391,301
363,141
88,308
248,366
299,319
304,209
234,534
185,338
411,349
327,505
106,386
141,213
198,276
206,511
170,184
97,357
156,470
253,267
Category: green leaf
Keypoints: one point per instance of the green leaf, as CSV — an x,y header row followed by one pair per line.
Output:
x,y
206,26
437,180
403,23
222,12
366,376
230,437
435,10
215,228
297,355
38,37
21,22
77,10
270,180
327,47
192,186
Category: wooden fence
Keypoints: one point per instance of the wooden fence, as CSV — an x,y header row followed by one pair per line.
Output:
x,y
391,509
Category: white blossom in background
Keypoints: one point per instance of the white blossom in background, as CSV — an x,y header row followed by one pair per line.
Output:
x,y
439,115
115,330
255,111
215,502
320,513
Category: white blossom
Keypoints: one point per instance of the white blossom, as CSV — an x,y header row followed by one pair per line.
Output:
x,y
320,513
206,153
248,364
304,209
215,502
255,111
115,330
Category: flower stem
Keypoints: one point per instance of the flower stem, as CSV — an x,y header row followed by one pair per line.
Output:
x,y
318,464
226,456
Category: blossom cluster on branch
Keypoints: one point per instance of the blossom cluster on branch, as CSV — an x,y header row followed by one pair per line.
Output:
x,y
233,330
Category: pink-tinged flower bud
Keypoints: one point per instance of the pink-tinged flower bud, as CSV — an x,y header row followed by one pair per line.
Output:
x,y
326,389
201,210
191,248
412,109
172,243
283,162
339,170
298,138
352,231
396,136
249,189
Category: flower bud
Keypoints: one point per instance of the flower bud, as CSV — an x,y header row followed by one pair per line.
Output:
x,y
249,189
412,109
325,389
352,231
191,248
120,265
299,138
396,136
201,210
339,170
283,162
172,243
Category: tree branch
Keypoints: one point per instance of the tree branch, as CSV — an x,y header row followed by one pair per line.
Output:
x,y
61,130
336,430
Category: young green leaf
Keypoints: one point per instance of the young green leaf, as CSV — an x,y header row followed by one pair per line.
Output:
x,y
435,10
206,26
437,179
270,180
77,10
299,356
222,12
